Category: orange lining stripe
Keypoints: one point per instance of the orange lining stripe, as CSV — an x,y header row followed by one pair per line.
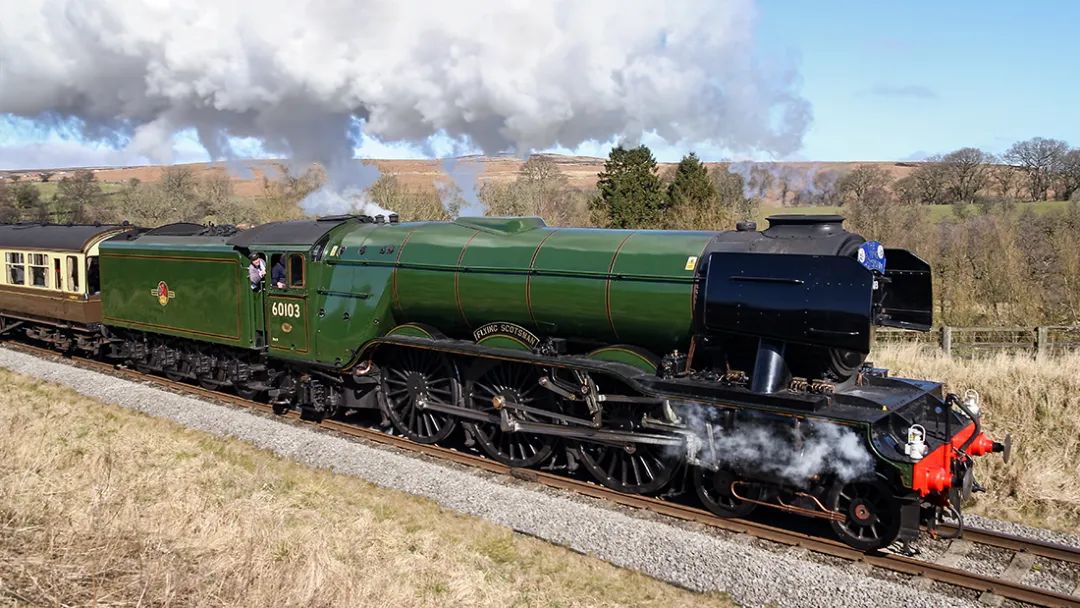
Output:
x,y
528,278
457,281
607,285
394,301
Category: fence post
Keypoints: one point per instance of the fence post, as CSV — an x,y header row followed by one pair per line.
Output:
x,y
946,340
1042,341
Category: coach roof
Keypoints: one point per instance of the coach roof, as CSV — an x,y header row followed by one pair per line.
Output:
x,y
53,237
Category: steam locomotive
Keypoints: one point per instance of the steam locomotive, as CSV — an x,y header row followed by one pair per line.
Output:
x,y
653,361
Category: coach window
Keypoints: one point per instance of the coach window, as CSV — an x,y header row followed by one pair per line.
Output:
x,y
93,275
73,274
39,270
296,270
16,269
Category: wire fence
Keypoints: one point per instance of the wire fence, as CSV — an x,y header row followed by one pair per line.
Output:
x,y
971,342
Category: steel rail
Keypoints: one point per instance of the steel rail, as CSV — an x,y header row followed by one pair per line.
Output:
x,y
885,560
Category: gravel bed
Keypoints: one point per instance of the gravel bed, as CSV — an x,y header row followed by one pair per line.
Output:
x,y
751,575
1008,527
961,593
987,561
1052,575
930,549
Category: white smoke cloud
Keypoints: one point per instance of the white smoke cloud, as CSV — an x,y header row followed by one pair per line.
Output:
x,y
301,76
796,456
330,201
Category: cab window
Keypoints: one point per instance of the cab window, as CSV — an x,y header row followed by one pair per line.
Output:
x,y
296,270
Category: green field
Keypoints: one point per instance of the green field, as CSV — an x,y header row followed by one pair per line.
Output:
x,y
49,189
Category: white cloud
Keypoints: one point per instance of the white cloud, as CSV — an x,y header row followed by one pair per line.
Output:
x,y
427,78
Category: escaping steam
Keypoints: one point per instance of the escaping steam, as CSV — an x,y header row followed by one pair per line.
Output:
x,y
793,454
303,77
351,200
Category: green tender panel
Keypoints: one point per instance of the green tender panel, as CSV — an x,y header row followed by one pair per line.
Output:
x,y
656,312
205,293
425,282
569,298
491,285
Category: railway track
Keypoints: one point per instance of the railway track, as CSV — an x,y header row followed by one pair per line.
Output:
x,y
993,590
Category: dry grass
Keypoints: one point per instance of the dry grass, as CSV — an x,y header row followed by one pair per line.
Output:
x,y
1039,403
100,506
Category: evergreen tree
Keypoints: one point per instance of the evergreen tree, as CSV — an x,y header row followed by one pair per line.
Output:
x,y
631,194
691,186
8,212
29,204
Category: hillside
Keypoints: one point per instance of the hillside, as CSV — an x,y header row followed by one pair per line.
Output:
x,y
580,171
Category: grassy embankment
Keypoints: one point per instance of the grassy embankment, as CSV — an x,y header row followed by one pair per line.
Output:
x,y
102,506
1038,401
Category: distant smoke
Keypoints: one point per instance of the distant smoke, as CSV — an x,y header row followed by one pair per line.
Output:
x,y
817,448
304,76
462,198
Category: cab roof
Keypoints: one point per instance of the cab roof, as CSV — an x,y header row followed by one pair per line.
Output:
x,y
298,232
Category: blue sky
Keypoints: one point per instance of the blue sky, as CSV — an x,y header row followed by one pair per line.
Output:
x,y
896,80
886,81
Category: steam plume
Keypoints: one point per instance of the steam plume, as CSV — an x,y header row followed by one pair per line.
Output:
x,y
304,76
796,456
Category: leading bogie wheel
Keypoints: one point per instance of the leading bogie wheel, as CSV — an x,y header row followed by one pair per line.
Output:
x,y
716,491
413,379
872,513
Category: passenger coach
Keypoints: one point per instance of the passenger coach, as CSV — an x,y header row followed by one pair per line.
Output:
x,y
51,278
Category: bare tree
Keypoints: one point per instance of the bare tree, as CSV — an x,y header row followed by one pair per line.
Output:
x,y
1040,159
1068,181
931,181
824,189
761,179
863,183
967,171
75,194
1004,180
503,198
906,190
215,188
783,181
179,183
543,185
731,194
